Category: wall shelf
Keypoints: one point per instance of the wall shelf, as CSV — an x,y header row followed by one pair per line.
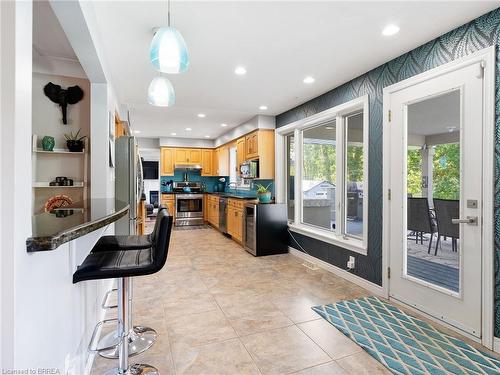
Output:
x,y
61,162
58,151
44,184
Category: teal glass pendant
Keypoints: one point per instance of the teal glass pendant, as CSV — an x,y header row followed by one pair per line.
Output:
x,y
161,92
168,52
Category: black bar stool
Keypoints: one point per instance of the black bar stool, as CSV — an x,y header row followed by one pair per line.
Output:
x,y
123,265
141,337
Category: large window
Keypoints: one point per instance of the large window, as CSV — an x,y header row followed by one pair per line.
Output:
x,y
290,176
325,175
318,176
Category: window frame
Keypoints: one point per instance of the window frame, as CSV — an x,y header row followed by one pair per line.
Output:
x,y
338,113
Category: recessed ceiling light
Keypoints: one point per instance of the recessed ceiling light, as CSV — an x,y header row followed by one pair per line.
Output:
x,y
308,79
207,136
263,107
137,131
240,70
189,129
329,127
173,133
202,115
223,125
390,30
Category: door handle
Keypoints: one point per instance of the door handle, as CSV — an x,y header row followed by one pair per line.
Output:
x,y
472,220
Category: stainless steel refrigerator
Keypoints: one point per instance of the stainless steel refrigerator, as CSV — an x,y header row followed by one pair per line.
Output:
x,y
128,182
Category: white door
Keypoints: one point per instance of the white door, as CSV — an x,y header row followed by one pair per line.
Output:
x,y
435,206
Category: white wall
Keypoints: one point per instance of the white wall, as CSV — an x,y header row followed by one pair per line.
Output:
x,y
15,168
256,122
47,120
45,320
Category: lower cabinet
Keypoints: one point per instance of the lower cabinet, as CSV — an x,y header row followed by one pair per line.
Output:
x,y
168,200
235,219
213,210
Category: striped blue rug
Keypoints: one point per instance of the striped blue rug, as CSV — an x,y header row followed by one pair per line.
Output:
x,y
404,344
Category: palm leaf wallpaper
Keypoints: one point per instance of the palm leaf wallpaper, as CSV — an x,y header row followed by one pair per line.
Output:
x,y
471,37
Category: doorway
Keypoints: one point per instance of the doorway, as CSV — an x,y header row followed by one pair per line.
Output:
x,y
438,174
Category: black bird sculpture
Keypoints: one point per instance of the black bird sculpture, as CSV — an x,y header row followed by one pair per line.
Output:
x,y
71,95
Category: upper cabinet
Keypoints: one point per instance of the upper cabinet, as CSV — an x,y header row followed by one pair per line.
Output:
x,y
207,167
240,151
252,145
260,145
167,161
223,160
215,162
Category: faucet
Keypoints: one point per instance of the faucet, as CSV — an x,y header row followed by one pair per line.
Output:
x,y
233,184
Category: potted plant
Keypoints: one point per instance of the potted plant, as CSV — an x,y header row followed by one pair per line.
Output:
x,y
263,193
74,142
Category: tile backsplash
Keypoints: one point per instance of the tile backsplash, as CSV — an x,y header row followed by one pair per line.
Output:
x,y
195,176
210,182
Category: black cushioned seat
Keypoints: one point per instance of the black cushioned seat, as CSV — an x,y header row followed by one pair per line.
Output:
x,y
124,242
129,263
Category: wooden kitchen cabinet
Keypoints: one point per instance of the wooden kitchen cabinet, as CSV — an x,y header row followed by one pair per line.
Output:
x,y
223,161
167,161
252,145
141,217
213,210
188,155
168,200
207,162
235,219
260,145
215,162
194,155
240,153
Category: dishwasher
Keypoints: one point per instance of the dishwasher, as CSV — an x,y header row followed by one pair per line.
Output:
x,y
223,215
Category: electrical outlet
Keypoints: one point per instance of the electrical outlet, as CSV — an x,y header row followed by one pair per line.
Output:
x,y
351,263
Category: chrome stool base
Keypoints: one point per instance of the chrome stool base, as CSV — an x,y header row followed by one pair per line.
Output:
x,y
137,369
140,339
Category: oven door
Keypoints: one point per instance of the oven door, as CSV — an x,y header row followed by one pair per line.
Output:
x,y
189,209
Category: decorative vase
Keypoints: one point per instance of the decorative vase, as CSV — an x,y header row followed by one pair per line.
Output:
x,y
48,143
74,145
264,197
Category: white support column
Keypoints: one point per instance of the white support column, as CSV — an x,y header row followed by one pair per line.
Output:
x,y
427,172
15,168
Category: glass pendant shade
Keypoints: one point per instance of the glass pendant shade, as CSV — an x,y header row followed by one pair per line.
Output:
x,y
168,52
161,92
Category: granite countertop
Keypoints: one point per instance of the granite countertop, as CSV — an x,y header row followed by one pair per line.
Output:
x,y
224,194
51,229
234,195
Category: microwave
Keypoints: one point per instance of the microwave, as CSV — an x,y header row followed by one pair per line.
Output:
x,y
250,169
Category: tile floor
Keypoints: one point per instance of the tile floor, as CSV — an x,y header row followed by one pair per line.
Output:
x,y
219,310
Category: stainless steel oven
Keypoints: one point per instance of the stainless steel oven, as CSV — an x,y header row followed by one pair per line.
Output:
x,y
188,209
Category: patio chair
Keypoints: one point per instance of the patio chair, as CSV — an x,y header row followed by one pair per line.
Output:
x,y
447,209
419,219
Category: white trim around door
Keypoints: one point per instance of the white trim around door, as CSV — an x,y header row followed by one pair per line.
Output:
x,y
486,57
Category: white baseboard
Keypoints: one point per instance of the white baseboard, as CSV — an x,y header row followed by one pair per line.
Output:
x,y
91,356
496,344
371,287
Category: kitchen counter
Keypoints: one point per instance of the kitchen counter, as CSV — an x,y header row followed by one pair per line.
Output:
x,y
234,195
51,229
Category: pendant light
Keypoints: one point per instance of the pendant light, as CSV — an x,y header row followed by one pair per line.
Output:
x,y
161,92
168,52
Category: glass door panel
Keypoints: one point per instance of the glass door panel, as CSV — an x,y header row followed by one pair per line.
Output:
x,y
432,237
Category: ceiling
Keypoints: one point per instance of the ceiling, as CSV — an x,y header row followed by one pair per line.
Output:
x,y
278,42
49,39
436,115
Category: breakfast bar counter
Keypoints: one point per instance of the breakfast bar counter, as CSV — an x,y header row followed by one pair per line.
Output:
x,y
51,229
